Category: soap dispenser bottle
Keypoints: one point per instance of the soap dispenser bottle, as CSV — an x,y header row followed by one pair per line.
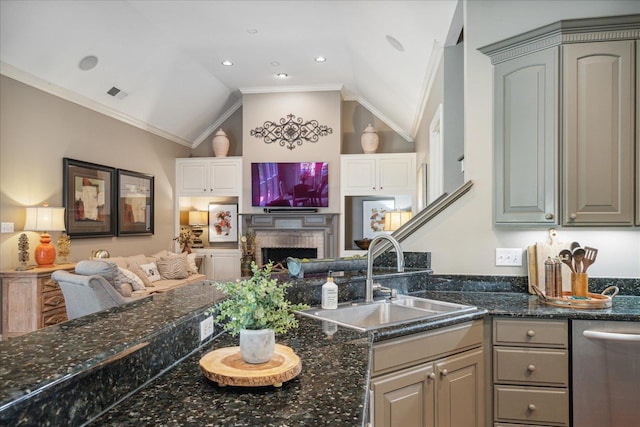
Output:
x,y
329,294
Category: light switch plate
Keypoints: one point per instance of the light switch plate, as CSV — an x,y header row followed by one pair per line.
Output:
x,y
7,227
511,257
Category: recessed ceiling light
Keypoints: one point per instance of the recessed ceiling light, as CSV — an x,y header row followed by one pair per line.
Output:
x,y
320,59
282,75
252,31
394,43
275,63
88,62
227,63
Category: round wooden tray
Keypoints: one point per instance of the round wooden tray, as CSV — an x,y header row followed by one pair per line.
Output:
x,y
591,302
226,367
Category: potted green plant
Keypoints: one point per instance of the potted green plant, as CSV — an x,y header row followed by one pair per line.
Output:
x,y
257,309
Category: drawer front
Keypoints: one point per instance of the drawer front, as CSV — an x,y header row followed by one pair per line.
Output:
x,y
49,285
408,351
531,405
52,300
535,366
548,333
54,317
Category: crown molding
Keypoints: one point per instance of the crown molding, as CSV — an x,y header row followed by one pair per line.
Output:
x,y
203,136
429,78
53,89
386,120
286,89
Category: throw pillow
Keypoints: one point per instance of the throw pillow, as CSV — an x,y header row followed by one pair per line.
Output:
x,y
135,268
173,267
108,270
191,260
151,270
134,280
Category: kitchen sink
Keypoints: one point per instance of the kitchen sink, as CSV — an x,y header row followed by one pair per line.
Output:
x,y
380,314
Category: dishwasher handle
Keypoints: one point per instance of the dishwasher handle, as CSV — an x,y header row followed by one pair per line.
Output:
x,y
611,336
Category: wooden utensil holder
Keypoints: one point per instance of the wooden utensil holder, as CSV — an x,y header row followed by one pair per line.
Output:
x,y
579,284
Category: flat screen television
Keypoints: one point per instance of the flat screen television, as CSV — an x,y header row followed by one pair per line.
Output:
x,y
299,184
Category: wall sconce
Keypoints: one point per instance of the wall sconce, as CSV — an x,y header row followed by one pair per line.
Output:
x,y
45,219
196,220
396,219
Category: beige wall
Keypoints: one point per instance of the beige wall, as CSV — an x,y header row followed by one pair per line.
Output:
x,y
325,107
38,129
463,239
232,126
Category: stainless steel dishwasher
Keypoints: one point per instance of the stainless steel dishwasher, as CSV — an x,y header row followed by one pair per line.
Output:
x,y
606,373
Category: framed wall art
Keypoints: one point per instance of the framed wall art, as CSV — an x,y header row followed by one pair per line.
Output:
x,y
89,199
135,203
223,222
373,212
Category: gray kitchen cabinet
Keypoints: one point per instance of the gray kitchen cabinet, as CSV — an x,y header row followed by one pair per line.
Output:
x,y
565,124
598,133
429,379
530,372
526,139
637,134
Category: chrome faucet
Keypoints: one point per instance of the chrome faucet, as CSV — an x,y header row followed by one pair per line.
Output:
x,y
399,254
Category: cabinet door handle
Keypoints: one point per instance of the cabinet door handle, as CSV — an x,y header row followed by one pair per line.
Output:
x,y
531,368
531,407
573,216
531,333
431,376
444,372
548,216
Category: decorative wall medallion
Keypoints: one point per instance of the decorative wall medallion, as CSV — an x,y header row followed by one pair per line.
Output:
x,y
291,131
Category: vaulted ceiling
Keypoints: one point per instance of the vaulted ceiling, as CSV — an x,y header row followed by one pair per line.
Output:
x,y
166,56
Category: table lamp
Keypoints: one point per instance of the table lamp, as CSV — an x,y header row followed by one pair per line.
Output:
x,y
395,219
196,220
45,219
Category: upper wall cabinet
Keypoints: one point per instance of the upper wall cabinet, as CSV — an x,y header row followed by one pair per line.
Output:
x,y
598,133
203,176
376,174
526,139
564,120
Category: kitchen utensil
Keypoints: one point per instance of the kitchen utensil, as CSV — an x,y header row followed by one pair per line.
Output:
x,y
590,255
566,257
578,256
574,245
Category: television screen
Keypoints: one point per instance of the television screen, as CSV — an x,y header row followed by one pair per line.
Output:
x,y
301,184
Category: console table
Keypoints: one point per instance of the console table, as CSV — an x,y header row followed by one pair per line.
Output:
x,y
31,300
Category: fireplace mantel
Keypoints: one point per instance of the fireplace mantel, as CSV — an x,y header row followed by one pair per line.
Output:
x,y
294,229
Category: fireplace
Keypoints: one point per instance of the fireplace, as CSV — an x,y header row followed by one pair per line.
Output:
x,y
300,235
280,255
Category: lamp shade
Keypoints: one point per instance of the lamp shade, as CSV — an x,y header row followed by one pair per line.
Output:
x,y
395,219
198,218
44,218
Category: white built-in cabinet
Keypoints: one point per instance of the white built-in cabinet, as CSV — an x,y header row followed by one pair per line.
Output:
x,y
373,177
203,176
565,124
220,264
199,182
373,174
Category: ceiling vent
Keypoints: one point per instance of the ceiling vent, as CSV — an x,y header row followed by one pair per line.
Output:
x,y
117,93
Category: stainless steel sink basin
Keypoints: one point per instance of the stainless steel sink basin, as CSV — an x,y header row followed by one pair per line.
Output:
x,y
379,314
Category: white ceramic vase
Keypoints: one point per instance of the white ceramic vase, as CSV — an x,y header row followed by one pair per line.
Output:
x,y
369,140
220,144
257,346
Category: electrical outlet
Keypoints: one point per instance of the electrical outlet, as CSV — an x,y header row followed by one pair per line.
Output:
x,y
7,227
511,257
206,328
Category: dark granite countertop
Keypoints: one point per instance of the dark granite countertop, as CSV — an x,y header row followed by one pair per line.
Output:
x,y
138,364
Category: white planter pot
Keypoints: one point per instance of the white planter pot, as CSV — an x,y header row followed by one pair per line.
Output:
x,y
220,144
257,346
369,140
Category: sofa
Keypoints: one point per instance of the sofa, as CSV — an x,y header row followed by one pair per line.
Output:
x,y
97,285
